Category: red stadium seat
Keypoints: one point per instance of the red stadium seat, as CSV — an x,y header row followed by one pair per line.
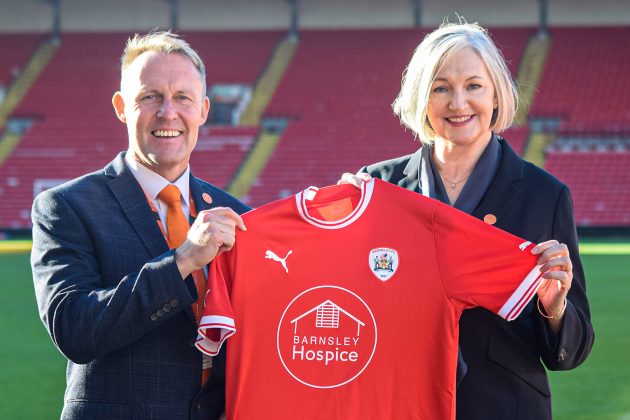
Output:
x,y
75,130
599,183
585,81
337,93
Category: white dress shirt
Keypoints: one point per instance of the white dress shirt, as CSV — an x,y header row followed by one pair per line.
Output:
x,y
153,183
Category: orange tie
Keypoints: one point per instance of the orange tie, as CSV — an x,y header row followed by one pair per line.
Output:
x,y
176,223
177,227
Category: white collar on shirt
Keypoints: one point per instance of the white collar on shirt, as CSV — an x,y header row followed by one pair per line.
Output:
x,y
153,183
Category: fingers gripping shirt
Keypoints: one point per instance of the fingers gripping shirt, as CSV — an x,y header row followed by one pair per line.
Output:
x,y
348,300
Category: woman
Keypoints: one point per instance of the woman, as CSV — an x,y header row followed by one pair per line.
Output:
x,y
456,96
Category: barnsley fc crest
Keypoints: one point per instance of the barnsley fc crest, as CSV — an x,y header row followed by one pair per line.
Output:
x,y
383,262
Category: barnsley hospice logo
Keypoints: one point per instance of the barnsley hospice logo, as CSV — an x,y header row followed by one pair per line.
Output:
x,y
327,336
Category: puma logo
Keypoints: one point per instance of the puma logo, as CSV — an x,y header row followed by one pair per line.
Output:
x,y
272,256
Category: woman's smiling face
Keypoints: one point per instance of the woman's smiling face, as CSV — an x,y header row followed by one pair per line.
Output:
x,y
462,99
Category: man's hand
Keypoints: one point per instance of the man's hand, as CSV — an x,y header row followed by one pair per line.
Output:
x,y
213,232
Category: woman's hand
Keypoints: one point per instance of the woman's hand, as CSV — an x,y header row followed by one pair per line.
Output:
x,y
557,270
354,179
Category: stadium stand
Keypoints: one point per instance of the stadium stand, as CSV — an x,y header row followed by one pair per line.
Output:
x,y
234,57
74,129
335,101
517,137
220,151
582,99
336,95
585,81
599,183
15,50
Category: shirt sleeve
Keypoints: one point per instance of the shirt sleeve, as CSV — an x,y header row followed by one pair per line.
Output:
x,y
217,319
482,265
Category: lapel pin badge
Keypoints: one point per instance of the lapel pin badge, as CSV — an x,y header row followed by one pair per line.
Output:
x,y
206,197
490,219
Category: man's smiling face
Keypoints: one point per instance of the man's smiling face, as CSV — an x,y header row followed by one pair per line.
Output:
x,y
163,104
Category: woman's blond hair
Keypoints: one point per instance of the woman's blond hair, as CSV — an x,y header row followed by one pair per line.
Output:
x,y
413,100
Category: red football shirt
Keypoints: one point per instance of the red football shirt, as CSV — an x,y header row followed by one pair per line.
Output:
x,y
344,303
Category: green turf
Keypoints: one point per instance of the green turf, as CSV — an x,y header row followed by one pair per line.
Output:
x,y
600,388
32,378
605,249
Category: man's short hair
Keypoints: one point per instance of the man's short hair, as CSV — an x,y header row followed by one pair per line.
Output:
x,y
164,42
413,100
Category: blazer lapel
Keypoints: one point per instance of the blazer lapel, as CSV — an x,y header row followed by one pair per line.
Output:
x,y
412,180
200,196
133,203
505,186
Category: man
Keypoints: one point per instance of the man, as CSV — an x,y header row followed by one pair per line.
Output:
x,y
116,279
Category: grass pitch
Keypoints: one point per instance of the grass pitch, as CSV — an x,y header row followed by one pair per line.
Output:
x,y
600,388
32,378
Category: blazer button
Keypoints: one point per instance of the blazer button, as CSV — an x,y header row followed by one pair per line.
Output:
x,y
174,303
154,317
166,307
